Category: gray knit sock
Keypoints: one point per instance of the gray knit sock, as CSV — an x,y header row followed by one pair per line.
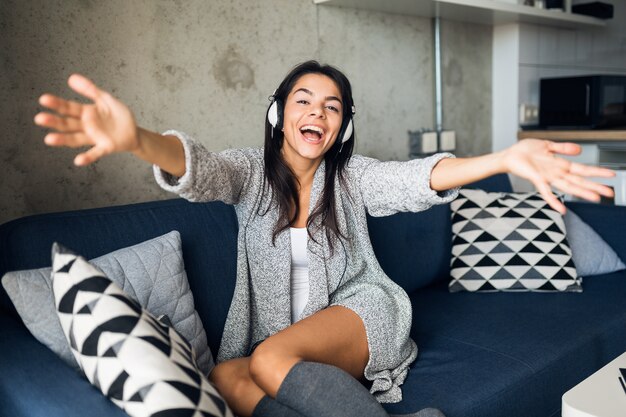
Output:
x,y
320,390
269,407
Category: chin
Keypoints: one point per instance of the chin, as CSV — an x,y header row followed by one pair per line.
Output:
x,y
312,154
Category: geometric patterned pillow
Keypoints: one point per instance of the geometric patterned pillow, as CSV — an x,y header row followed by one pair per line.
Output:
x,y
509,242
144,366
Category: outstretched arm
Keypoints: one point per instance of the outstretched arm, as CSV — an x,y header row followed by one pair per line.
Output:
x,y
531,159
108,126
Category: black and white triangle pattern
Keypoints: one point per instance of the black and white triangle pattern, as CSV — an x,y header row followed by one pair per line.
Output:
x,y
144,366
509,242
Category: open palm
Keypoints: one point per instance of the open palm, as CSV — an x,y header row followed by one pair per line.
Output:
x,y
107,125
536,161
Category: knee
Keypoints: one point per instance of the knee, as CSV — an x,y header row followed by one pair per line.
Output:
x,y
270,364
263,360
230,381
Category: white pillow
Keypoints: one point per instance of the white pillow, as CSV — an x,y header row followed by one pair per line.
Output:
x,y
144,366
509,242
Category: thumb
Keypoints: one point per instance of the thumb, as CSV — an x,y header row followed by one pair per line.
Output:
x,y
84,86
89,156
564,148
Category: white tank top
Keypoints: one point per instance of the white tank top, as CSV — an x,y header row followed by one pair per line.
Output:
x,y
299,272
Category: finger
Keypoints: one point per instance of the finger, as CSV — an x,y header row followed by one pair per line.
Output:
x,y
91,156
62,124
84,86
546,192
565,148
562,163
61,106
591,185
591,171
71,140
575,190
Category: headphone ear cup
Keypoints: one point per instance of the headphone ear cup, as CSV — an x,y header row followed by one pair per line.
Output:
x,y
272,114
348,132
275,115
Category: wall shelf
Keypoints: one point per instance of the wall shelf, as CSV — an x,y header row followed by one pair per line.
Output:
x,y
486,12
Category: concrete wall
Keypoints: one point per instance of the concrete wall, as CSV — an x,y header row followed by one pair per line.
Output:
x,y
207,68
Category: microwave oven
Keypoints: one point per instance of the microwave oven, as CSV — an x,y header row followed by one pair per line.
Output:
x,y
588,102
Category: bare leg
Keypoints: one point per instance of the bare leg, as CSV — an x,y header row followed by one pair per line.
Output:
x,y
233,381
335,336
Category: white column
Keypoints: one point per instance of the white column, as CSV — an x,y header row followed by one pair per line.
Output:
x,y
505,85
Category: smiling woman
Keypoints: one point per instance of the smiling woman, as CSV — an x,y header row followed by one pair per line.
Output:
x,y
312,117
301,203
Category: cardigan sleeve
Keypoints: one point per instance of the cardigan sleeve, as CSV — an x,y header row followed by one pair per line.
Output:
x,y
394,186
209,176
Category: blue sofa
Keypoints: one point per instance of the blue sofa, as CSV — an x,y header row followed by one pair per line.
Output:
x,y
481,354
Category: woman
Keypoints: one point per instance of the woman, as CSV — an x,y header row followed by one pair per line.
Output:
x,y
304,198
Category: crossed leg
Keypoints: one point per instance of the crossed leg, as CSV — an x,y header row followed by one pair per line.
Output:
x,y
335,336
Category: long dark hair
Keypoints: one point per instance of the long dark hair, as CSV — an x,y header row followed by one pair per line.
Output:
x,y
281,179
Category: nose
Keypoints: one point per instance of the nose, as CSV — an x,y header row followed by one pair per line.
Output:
x,y
317,111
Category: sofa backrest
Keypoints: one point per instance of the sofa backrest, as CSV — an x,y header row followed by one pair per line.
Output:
x,y
208,232
414,249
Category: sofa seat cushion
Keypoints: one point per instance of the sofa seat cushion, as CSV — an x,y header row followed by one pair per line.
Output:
x,y
495,354
36,382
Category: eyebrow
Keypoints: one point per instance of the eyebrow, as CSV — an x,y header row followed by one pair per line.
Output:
x,y
309,92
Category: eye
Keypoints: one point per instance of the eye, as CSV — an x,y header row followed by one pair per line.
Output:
x,y
333,108
302,102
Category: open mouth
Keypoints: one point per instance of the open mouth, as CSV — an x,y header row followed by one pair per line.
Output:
x,y
312,134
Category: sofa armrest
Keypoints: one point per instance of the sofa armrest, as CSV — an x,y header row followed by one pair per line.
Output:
x,y
608,221
35,382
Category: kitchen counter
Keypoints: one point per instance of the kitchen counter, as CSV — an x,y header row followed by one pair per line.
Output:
x,y
574,135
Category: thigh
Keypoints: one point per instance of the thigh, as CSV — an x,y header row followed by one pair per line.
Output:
x,y
335,336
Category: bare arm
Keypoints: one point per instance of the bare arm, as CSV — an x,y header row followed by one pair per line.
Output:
x,y
108,126
531,159
164,151
456,172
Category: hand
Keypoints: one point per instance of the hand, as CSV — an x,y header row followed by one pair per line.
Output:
x,y
107,124
535,160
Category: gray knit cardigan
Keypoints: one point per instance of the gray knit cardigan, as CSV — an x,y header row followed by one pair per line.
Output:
x,y
350,277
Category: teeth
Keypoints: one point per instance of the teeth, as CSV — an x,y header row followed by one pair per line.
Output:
x,y
313,128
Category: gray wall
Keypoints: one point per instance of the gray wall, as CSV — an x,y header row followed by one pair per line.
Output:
x,y
207,67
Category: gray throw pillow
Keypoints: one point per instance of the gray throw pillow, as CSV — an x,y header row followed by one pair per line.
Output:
x,y
590,253
151,272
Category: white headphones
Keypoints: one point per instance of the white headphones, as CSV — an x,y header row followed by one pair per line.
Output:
x,y
275,118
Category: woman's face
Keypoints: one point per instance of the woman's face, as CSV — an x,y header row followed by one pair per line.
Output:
x,y
312,119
